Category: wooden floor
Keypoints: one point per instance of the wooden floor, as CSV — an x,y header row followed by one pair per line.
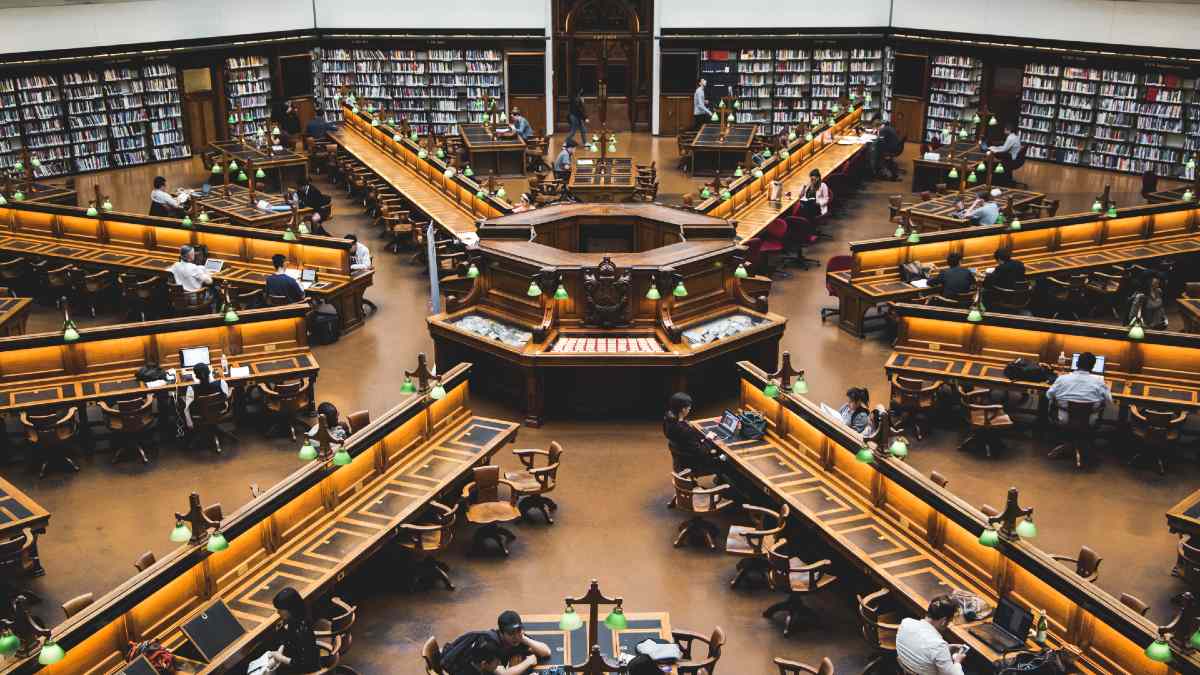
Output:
x,y
612,524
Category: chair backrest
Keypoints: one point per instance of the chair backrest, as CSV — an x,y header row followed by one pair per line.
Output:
x,y
1189,551
432,654
77,603
213,512
14,268
777,230
876,631
1011,298
286,396
144,561
989,510
51,426
1161,425
1088,562
911,391
685,486
133,414
787,667
487,483
715,643
248,299
274,300
12,551
358,419
341,616
209,408
1079,415
1134,603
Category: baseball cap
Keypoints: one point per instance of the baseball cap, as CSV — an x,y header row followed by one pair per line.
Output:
x,y
509,621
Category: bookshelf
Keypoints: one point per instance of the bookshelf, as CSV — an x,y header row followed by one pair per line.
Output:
x,y
1159,137
87,120
10,123
409,81
485,75
867,70
889,67
1076,117
720,68
123,91
247,89
43,126
791,88
953,94
160,83
1191,141
1116,118
827,78
755,87
1039,105
332,69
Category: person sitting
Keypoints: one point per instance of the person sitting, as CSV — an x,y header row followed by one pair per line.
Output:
x,y
506,644
281,283
204,384
920,648
694,450
360,255
162,203
525,204
1008,151
299,642
562,164
1149,183
814,196
317,128
187,274
309,197
480,657
954,280
1008,273
521,125
856,411
889,147
1147,303
1080,385
985,211
338,430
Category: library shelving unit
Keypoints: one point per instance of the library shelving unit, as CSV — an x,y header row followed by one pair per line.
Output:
x,y
160,82
720,68
332,69
372,78
889,68
1116,119
123,91
867,70
43,125
247,90
10,123
1191,141
755,86
953,94
87,120
791,88
1158,138
409,86
1076,117
484,75
1039,102
828,78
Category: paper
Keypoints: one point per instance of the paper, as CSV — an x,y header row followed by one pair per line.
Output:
x,y
584,162
831,413
155,384
295,274
239,371
919,283
933,156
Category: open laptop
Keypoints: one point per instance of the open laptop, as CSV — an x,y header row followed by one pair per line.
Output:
x,y
1008,629
308,277
1097,369
189,357
728,428
214,264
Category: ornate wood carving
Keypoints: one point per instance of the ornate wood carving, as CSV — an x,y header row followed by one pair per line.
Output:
x,y
606,290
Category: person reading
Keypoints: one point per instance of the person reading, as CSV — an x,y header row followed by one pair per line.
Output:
x,y
1008,273
360,255
309,197
920,648
281,284
162,203
299,642
955,279
856,411
814,196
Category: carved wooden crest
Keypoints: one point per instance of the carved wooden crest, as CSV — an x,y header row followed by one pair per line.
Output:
x,y
607,292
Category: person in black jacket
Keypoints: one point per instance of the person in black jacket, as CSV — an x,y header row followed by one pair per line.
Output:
x,y
577,117
312,198
954,279
299,642
691,449
1008,274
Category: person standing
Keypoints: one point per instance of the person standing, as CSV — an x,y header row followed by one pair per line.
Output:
x,y
1147,302
577,118
562,164
920,648
1008,151
700,111
521,125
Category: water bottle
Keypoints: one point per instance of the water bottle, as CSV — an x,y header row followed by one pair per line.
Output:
x,y
224,365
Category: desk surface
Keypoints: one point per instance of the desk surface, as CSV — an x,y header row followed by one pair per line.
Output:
x,y
233,202
610,172
256,158
477,137
570,647
14,311
1184,517
954,154
18,512
738,137
941,210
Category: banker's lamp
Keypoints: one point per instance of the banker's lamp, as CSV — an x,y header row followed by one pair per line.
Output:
x,y
680,291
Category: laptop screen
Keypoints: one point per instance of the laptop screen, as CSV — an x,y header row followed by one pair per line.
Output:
x,y
1097,369
191,356
729,421
308,274
1013,618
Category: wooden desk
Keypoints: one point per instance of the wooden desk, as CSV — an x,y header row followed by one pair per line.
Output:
x,y
18,512
1189,310
928,173
14,314
612,179
489,153
921,540
40,371
47,193
1172,195
1161,371
147,244
307,532
1184,517
716,150
940,213
571,648
1067,243
232,203
290,167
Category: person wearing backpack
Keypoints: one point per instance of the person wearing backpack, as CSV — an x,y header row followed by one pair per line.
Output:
x,y
465,655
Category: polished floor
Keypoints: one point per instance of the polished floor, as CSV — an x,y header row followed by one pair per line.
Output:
x,y
612,524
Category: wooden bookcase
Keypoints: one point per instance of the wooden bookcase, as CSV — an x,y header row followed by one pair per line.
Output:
x,y
954,84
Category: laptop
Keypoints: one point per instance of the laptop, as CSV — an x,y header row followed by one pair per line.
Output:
x,y
308,277
1008,629
1097,369
189,357
729,426
214,264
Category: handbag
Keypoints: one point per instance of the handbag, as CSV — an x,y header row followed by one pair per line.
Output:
x,y
911,271
1049,662
1028,371
149,373
754,425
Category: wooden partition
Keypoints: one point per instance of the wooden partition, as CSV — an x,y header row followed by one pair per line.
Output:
x,y
1062,244
149,244
308,532
921,540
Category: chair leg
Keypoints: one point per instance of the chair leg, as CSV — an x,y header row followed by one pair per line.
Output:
x,y
430,569
492,532
750,566
539,503
697,526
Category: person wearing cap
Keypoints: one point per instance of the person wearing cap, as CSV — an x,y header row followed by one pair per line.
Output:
x,y
562,164
187,273
514,644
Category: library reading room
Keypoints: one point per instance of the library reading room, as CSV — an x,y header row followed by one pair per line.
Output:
x,y
595,337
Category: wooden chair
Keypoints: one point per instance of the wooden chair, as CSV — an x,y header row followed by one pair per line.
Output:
x,y
144,561
17,561
787,667
184,303
1065,297
1187,563
487,509
800,578
692,664
700,502
1078,430
274,300
985,420
646,193
17,274
140,295
914,398
896,207
1158,431
431,653
1087,563
129,420
358,420
51,434
535,152
1106,291
427,540
751,542
60,283
248,298
880,623
1010,300
329,656
533,482
283,403
1134,603
77,604
209,411
92,286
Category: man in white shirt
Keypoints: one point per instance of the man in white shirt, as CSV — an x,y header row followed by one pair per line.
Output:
x,y
700,111
1011,146
1080,386
360,255
189,275
161,201
920,648
986,213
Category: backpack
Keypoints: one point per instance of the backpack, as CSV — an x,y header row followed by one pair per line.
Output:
x,y
325,326
1050,662
1028,371
456,652
159,656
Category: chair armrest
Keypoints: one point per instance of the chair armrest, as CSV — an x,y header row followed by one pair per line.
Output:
x,y
933,386
976,392
107,409
1064,558
468,490
528,455
419,528
985,406
811,567
1179,418
795,665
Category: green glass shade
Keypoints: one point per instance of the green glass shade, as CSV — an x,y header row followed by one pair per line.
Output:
x,y
899,231
989,537
18,196
999,168
107,205
800,386
740,272
570,620
729,118
771,390
472,271
397,137
481,194
413,136
186,222
354,109
595,137
612,147
1159,651
92,212
594,148
260,174
275,130
972,178
216,542
791,135
421,154
231,315
766,153
721,104
9,643
705,193
680,290
216,170
181,533
853,96
757,173
3,201
37,163
303,228
738,173
375,122
308,451
1193,641
992,122
242,177
808,136
233,165
1112,212
468,172
438,392
1000,220
835,109
784,153
501,193
1136,332
867,97
652,293
449,172
341,458
953,172
1015,225
899,448
980,167
560,293
232,119
408,387
975,118
70,334
1191,164
19,166
440,153
974,316
962,133
52,653
1096,206
1026,529
914,237
288,235
1187,195
534,290
865,455
616,619
714,118
726,194
737,104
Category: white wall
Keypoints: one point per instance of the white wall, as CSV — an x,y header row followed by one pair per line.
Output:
x,y
83,26
774,13
400,15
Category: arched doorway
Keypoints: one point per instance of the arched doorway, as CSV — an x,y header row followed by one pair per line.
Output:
x,y
605,42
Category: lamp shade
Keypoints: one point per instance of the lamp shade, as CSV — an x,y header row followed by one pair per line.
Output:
x,y
18,165
1193,641
308,451
962,133
975,118
592,147
472,271
972,178
480,194
865,455
1096,206
534,290
438,392
980,167
992,121
726,194
899,231
1159,651
3,201
468,171
414,136
260,174
216,542
203,217
1191,164
501,193
680,291
233,165
989,537
975,315
303,228
231,315
107,205
421,154
616,619
289,235
1015,224
800,386
560,293
953,172
408,387
737,104
52,653
242,177
70,334
91,211
714,118
186,222
792,135
440,153
181,532
999,168
1112,212
1187,195
18,196
705,193
738,173
397,137
341,457
1026,529
771,389
784,153
899,447
740,272
766,153
757,173
216,170
9,643
232,119
914,237
729,118
1136,332
570,620
652,293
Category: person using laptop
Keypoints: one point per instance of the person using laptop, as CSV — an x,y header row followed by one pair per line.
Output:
x,y
360,255
856,411
1080,385
920,648
187,273
281,284
204,384
692,448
